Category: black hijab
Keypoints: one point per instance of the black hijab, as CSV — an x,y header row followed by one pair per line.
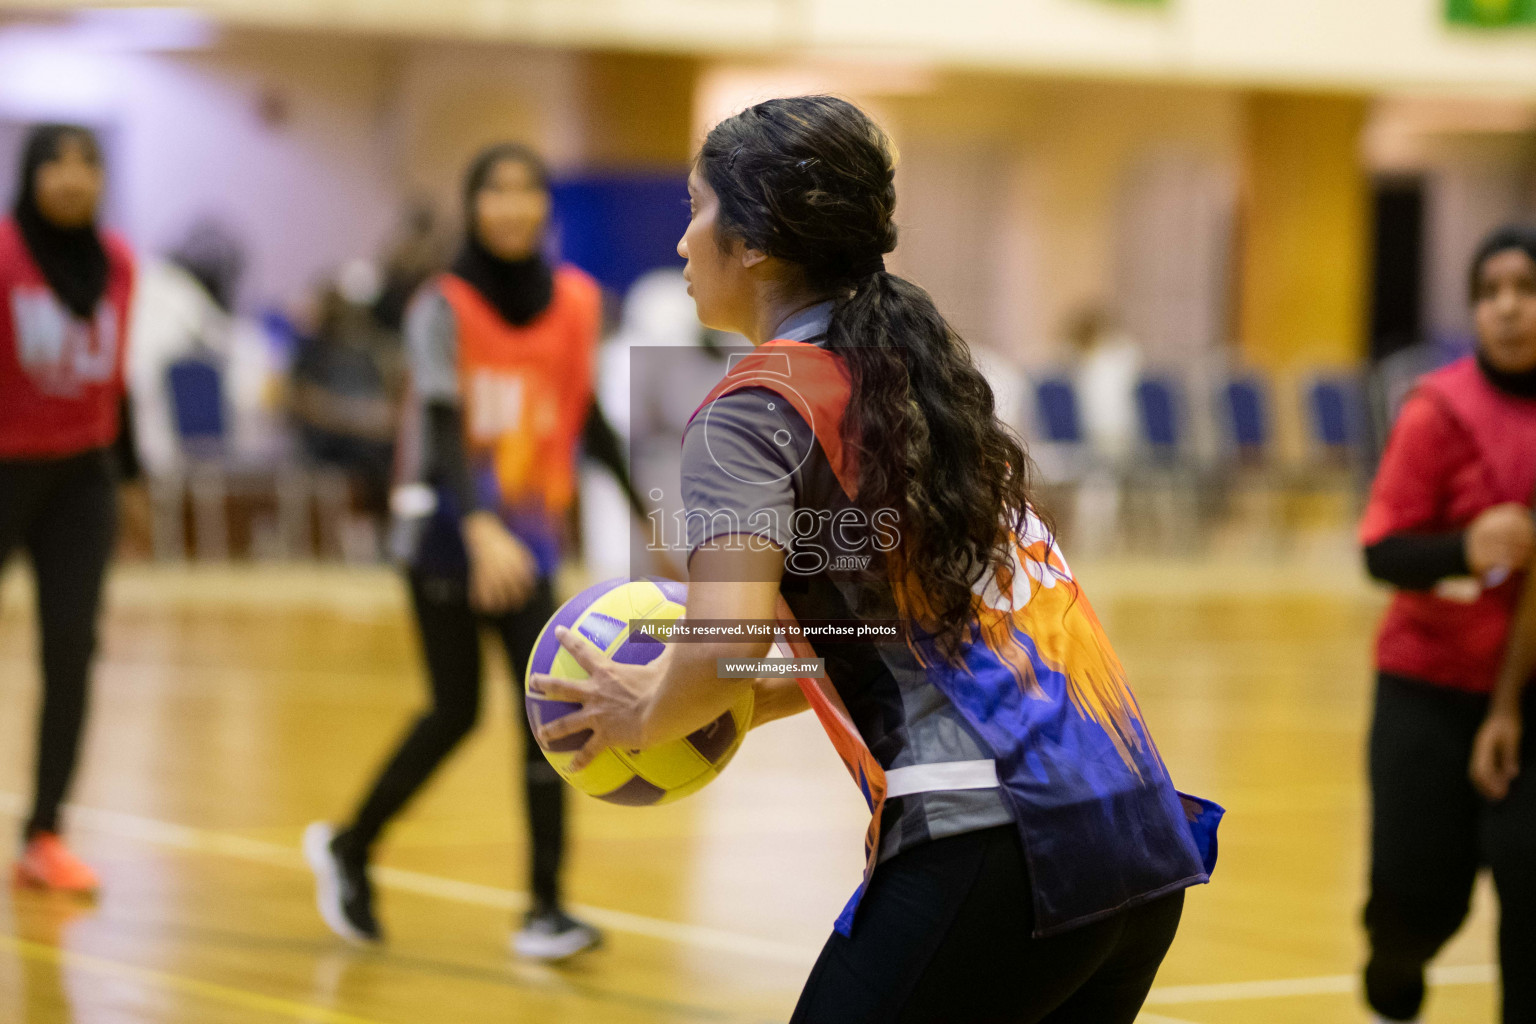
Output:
x,y
73,260
519,290
1521,384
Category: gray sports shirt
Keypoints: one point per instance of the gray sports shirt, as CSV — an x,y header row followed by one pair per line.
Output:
x,y
748,466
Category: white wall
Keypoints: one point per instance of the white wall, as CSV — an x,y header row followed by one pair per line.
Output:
x,y
1472,188
1019,202
453,99
307,145
1021,199
1022,203
190,140
1370,44
1478,162
1363,44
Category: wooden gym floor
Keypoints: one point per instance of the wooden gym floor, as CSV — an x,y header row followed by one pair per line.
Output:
x,y
235,705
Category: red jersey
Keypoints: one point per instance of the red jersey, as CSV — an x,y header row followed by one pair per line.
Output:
x,y
61,377
1459,447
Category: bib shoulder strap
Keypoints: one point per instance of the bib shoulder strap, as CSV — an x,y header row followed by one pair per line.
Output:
x,y
815,382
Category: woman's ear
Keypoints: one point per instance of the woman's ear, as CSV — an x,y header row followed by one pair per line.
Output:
x,y
752,257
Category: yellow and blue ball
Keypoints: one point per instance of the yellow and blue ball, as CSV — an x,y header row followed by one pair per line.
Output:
x,y
669,771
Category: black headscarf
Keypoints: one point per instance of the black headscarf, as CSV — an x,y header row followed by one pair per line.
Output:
x,y
1511,236
73,260
519,290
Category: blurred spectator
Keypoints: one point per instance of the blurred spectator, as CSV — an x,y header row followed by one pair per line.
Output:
x,y
652,374
215,256
414,254
1108,366
648,396
182,307
346,383
184,312
672,362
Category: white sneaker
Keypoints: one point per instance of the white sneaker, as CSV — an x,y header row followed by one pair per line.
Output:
x,y
553,935
343,893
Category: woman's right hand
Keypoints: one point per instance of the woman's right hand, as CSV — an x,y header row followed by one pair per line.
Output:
x,y
1496,754
1502,537
502,571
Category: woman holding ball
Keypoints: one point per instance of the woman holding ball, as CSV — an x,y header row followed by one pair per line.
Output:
x,y
1028,854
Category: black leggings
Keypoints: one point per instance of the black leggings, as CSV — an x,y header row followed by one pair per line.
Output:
x,y
450,639
1430,834
943,937
64,512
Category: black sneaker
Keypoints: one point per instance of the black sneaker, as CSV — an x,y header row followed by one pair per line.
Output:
x,y
342,890
548,933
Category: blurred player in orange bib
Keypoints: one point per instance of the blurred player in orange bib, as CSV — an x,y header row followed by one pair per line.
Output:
x,y
500,353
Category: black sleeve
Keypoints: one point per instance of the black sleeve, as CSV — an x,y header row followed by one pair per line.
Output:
x,y
602,444
447,464
1417,561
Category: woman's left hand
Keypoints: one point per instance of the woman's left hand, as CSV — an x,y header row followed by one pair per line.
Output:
x,y
1496,754
614,699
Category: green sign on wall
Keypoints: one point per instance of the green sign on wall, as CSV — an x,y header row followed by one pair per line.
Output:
x,y
1491,13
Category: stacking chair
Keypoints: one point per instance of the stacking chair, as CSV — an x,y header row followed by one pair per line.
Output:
x,y
1165,475
1250,461
1338,425
197,405
1337,418
1056,405
213,470
1077,488
1245,401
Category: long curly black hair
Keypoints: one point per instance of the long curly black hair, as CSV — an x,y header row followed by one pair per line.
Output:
x,y
810,180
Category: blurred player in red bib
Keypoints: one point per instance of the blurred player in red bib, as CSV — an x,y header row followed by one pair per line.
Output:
x,y
1449,525
64,295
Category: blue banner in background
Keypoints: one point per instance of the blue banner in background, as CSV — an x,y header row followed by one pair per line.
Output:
x,y
617,225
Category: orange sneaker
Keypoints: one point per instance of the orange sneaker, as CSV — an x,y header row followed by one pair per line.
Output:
x,y
47,863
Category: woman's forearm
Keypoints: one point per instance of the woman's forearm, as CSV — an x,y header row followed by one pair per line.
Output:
x,y
691,693
1519,653
725,583
447,462
776,698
